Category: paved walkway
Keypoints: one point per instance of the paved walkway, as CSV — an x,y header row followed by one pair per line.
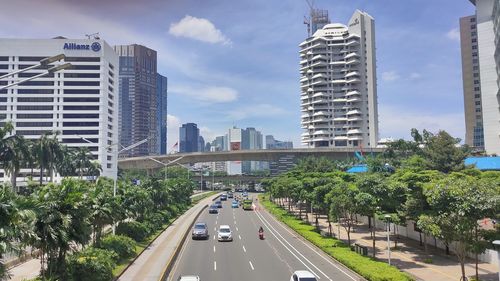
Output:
x,y
151,262
410,256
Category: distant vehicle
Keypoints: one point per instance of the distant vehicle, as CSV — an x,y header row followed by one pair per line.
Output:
x,y
223,197
189,278
302,275
213,209
247,204
245,194
224,233
218,204
234,204
230,195
200,230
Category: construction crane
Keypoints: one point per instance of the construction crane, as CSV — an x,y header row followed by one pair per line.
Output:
x,y
307,19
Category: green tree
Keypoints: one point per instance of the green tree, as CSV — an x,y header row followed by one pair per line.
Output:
x,y
443,153
344,205
14,155
49,153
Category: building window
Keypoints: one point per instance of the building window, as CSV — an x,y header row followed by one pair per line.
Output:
x,y
80,107
81,83
476,82
34,124
78,91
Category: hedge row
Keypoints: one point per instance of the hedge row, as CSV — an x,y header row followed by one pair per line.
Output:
x,y
367,267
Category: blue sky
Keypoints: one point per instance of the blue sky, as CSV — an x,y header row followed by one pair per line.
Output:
x,y
232,62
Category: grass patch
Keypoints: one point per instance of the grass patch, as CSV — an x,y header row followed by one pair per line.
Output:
x,y
367,267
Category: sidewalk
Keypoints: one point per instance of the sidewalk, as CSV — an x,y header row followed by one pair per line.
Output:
x,y
410,256
157,253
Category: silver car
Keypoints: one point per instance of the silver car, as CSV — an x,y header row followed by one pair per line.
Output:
x,y
200,230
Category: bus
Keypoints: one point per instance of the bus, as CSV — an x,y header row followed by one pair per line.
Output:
x,y
247,204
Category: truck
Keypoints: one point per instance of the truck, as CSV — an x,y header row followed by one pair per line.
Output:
x,y
247,204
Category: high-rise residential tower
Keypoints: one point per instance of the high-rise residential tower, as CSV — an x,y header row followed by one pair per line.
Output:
x,y
474,135
189,137
488,46
138,99
161,113
80,103
339,85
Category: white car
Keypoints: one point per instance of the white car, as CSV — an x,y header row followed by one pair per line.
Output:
x,y
189,278
224,233
302,275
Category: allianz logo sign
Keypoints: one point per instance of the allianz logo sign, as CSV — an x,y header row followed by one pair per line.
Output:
x,y
96,47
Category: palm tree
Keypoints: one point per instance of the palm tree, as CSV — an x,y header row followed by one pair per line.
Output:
x,y
14,155
82,160
66,166
48,152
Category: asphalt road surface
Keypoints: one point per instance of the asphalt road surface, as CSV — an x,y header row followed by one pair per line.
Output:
x,y
249,258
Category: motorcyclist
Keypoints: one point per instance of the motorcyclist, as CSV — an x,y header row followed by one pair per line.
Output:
x,y
261,230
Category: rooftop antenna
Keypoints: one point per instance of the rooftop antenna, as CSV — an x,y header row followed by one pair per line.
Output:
x,y
94,36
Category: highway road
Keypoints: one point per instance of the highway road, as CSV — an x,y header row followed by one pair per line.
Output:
x,y
249,258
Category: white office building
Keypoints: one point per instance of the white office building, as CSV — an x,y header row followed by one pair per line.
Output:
x,y
488,42
81,103
339,85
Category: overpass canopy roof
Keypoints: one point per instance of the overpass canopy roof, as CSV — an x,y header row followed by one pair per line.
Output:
x,y
484,163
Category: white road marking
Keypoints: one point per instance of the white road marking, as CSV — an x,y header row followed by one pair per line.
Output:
x,y
326,259
251,265
239,236
214,236
237,229
214,248
244,250
215,228
215,221
215,266
234,221
268,225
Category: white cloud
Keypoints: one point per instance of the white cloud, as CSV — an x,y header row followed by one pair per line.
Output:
x,y
173,124
397,122
198,29
208,134
390,76
415,76
453,34
259,110
208,95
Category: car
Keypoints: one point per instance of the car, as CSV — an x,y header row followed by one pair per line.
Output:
x,y
189,278
213,209
218,204
223,197
234,204
302,275
224,233
200,230
229,195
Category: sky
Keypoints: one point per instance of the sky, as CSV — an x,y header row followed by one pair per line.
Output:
x,y
236,62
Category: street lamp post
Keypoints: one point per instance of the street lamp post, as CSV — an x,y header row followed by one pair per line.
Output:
x,y
388,220
166,164
496,245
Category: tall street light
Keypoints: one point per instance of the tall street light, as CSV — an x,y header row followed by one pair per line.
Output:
x,y
166,164
388,221
496,245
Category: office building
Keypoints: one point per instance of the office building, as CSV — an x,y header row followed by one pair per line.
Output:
x,y
188,137
220,143
234,140
138,99
201,144
81,103
487,24
251,139
474,134
272,143
161,113
338,85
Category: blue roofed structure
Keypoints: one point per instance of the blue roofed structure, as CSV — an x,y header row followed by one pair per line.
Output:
x,y
358,169
484,163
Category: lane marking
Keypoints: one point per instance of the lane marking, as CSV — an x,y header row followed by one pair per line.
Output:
x,y
214,236
237,229
215,266
214,248
244,250
234,221
239,236
291,252
215,228
251,265
215,221
315,250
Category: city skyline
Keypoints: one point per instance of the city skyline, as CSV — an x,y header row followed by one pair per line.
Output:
x,y
244,74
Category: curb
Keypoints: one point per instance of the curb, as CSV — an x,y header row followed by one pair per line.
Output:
x,y
178,247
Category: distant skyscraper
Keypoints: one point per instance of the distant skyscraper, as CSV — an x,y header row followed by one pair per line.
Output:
x,y
161,113
201,144
234,140
220,143
138,98
487,25
251,139
271,143
474,135
338,85
188,137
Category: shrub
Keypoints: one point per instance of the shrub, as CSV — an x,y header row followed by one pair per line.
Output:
x,y
133,229
123,246
155,221
92,264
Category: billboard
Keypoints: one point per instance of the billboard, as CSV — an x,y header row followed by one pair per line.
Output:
x,y
235,146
